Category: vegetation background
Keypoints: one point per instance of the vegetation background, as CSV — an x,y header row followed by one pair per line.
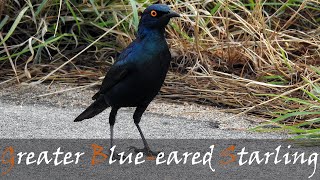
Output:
x,y
254,56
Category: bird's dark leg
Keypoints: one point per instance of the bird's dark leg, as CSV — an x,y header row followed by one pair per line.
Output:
x,y
142,137
112,120
137,117
111,136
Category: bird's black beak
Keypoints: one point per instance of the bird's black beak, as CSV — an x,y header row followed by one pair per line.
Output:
x,y
172,14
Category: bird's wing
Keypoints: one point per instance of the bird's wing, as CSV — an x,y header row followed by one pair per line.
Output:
x,y
113,77
118,71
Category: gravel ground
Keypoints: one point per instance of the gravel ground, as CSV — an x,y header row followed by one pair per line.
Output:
x,y
29,112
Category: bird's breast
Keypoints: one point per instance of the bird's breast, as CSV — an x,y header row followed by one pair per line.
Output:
x,y
149,66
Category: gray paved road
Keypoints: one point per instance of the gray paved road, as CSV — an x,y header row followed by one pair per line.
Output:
x,y
45,121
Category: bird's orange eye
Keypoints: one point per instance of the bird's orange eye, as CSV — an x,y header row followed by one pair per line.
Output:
x,y
153,13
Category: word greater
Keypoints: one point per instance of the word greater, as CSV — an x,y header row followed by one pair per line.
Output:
x,y
9,158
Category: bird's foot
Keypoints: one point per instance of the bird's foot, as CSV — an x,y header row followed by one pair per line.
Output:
x,y
145,151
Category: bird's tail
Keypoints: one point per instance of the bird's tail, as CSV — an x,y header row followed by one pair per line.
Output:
x,y
95,108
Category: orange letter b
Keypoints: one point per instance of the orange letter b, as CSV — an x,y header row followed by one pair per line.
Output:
x,y
97,151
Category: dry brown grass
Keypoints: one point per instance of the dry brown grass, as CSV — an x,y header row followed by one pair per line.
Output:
x,y
235,51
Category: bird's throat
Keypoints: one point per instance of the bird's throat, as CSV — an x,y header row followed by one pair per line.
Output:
x,y
156,33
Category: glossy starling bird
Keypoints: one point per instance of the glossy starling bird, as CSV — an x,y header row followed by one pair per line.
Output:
x,y
138,74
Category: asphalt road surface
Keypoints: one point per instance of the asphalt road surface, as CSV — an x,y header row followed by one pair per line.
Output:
x,y
46,121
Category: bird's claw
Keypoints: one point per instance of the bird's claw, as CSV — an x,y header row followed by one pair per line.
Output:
x,y
145,151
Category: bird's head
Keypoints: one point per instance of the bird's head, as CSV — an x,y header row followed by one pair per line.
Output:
x,y
157,16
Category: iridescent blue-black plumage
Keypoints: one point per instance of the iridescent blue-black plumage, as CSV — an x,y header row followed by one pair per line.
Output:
x,y
138,74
